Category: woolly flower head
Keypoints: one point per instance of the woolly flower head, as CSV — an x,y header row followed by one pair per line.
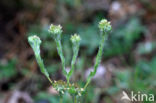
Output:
x,y
104,25
35,42
75,38
55,29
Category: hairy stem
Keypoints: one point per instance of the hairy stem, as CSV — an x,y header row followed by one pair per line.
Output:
x,y
98,60
75,54
42,67
60,52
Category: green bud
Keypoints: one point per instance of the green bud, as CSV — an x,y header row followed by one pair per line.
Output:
x,y
35,42
55,29
105,26
75,38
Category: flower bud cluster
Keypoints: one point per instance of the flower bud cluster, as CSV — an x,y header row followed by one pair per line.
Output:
x,y
75,38
105,26
55,29
35,42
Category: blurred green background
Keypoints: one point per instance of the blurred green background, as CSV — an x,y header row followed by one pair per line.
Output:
x,y
129,57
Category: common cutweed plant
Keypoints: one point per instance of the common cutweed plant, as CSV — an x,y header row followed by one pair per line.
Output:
x,y
66,86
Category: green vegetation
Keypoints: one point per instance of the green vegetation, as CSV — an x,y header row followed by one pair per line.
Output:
x,y
61,86
7,69
67,66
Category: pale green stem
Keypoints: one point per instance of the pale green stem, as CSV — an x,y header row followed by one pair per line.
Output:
x,y
61,99
42,67
60,52
87,84
75,54
98,60
74,99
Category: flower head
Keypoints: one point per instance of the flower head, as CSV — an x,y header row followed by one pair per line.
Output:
x,y
55,29
75,38
104,25
35,42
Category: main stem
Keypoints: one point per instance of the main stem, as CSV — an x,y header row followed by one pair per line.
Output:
x,y
74,99
61,99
